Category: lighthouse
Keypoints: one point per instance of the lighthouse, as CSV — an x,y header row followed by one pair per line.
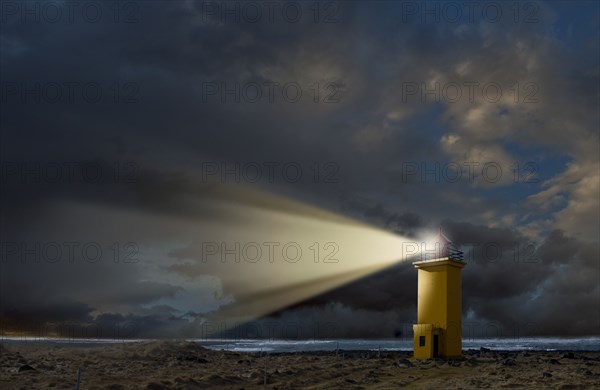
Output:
x,y
437,332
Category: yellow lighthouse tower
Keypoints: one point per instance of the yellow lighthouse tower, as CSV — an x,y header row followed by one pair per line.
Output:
x,y
438,329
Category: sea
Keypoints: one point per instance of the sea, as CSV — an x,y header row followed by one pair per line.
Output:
x,y
278,346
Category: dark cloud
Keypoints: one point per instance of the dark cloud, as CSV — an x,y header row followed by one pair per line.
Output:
x,y
406,223
375,155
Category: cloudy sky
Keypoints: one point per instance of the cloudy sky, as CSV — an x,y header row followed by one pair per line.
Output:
x,y
141,142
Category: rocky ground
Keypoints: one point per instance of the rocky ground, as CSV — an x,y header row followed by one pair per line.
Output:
x,y
184,365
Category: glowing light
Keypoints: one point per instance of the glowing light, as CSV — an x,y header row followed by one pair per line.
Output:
x,y
276,258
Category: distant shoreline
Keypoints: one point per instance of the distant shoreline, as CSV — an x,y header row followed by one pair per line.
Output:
x,y
590,344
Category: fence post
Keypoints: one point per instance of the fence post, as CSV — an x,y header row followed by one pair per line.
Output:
x,y
78,378
266,364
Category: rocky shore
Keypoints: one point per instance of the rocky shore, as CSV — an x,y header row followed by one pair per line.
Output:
x,y
184,365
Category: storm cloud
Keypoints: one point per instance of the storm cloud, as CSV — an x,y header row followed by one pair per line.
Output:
x,y
125,139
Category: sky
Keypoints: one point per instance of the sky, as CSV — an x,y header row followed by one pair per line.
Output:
x,y
141,141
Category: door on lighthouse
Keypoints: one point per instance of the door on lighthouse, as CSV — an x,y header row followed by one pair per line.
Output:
x,y
435,345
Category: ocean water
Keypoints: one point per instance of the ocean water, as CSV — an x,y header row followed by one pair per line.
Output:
x,y
251,345
511,344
